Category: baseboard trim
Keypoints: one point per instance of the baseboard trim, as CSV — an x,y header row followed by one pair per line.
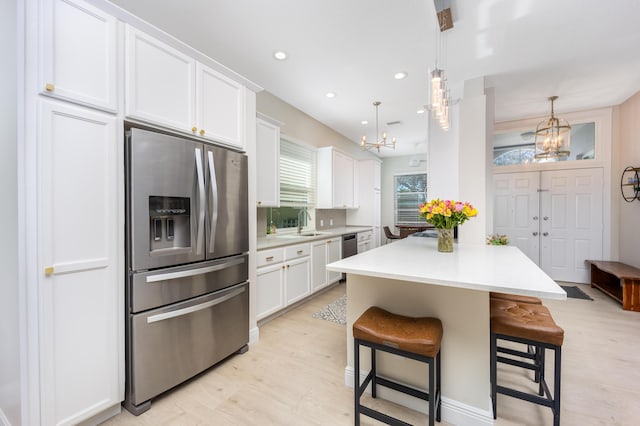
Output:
x,y
452,411
254,335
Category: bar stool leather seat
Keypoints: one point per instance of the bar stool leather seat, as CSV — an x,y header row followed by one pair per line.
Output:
x,y
414,338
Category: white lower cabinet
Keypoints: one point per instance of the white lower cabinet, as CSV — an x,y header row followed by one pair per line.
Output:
x,y
80,274
283,278
322,253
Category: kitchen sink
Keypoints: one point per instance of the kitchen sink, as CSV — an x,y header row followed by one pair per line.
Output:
x,y
304,234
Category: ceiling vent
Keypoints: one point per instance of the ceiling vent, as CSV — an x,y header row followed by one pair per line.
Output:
x,y
393,123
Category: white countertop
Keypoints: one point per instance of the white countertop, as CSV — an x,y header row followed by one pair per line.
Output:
x,y
472,266
289,238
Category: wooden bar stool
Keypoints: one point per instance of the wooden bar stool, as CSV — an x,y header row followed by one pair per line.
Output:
x,y
529,324
414,338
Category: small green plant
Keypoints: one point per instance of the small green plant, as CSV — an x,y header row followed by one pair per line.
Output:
x,y
497,240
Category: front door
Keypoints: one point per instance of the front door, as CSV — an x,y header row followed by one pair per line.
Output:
x,y
571,225
554,217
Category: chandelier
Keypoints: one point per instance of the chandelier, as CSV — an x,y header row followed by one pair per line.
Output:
x,y
379,142
553,136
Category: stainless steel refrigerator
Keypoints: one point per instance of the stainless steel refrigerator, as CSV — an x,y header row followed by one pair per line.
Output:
x,y
187,295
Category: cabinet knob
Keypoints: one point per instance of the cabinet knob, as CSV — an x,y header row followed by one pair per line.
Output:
x,y
259,202
545,234
49,87
535,218
194,129
545,218
202,132
48,271
535,234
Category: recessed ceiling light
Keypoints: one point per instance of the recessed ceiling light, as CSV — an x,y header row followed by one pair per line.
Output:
x,y
400,75
330,95
420,111
364,122
280,55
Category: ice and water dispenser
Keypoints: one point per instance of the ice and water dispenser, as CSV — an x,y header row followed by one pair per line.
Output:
x,y
170,224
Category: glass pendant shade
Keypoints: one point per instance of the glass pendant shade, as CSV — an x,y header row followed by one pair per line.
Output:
x,y
553,136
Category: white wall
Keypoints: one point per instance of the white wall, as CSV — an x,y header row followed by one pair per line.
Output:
x,y
390,167
629,155
304,128
9,314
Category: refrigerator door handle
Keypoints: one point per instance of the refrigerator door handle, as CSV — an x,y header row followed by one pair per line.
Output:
x,y
195,308
214,199
202,201
193,272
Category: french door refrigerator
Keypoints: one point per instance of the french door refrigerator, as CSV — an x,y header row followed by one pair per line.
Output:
x,y
187,295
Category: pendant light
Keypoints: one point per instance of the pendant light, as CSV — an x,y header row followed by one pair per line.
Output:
x,y
553,137
380,142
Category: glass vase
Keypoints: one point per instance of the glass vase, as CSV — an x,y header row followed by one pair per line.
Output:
x,y
445,240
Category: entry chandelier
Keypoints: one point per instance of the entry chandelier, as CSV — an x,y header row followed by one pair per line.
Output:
x,y
553,136
379,142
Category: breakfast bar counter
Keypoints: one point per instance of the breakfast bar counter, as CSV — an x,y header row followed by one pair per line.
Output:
x,y
410,277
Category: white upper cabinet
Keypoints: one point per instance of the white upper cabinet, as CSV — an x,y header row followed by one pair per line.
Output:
x,y
171,89
336,179
220,107
78,59
267,164
159,83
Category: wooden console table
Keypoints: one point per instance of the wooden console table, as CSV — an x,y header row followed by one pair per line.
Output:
x,y
618,280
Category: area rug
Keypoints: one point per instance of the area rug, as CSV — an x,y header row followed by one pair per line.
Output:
x,y
575,293
334,312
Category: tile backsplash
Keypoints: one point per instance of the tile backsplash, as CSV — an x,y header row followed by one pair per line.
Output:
x,y
330,218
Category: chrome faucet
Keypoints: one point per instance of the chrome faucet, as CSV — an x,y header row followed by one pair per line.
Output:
x,y
302,210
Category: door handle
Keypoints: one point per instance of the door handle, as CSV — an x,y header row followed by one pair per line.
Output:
x,y
202,198
194,272
214,200
545,234
535,234
196,308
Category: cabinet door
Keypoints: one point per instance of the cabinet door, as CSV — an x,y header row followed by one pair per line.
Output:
x,y
334,253
342,180
318,265
297,281
78,54
159,83
269,290
267,164
80,271
220,107
377,175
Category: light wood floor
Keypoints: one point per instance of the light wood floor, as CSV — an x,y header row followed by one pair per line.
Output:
x,y
295,375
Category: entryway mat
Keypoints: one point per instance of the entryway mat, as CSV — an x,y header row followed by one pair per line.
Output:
x,y
575,293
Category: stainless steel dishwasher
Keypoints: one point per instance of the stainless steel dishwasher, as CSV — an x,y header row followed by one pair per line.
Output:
x,y
349,248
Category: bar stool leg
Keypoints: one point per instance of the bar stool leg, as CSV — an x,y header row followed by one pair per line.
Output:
x,y
375,373
541,367
356,381
437,393
493,374
432,393
556,386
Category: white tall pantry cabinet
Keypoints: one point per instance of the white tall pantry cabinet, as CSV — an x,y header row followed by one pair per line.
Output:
x,y
79,168
369,183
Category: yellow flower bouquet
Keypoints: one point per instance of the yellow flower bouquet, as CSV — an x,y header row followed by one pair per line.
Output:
x,y
446,214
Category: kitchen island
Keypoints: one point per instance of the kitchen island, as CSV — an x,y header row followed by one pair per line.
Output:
x,y
410,277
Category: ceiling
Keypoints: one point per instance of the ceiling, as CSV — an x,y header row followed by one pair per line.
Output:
x,y
585,51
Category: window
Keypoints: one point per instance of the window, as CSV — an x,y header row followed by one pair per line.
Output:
x,y
297,175
297,185
410,193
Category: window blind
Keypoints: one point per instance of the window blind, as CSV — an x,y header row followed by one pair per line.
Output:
x,y
297,175
410,193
